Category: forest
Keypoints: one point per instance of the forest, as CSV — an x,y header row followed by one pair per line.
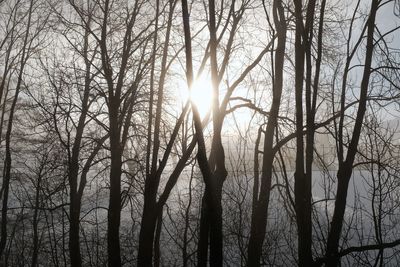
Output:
x,y
199,133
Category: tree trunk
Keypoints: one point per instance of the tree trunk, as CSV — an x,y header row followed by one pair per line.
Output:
x,y
157,251
343,176
35,249
202,246
146,236
114,208
149,215
8,159
260,206
302,181
74,243
216,163
346,168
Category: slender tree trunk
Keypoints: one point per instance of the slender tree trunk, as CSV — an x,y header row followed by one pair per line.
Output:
x,y
346,168
75,190
150,209
302,181
119,123
8,160
4,85
35,249
305,228
260,206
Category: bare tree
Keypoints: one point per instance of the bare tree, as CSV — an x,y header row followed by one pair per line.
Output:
x,y
32,28
262,189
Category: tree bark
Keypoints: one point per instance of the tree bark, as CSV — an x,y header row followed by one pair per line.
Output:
x,y
114,208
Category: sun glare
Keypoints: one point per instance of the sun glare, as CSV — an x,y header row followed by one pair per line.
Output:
x,y
200,94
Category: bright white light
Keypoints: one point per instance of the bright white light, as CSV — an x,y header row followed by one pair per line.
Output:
x,y
202,95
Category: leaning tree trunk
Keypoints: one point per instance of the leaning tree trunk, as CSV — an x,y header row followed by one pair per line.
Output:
x,y
346,168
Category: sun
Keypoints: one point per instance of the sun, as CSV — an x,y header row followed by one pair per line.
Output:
x,y
201,94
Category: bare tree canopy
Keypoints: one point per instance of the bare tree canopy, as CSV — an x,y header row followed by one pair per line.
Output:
x,y
199,133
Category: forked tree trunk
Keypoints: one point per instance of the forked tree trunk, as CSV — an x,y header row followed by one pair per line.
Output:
x,y
213,212
212,185
149,216
150,213
302,181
